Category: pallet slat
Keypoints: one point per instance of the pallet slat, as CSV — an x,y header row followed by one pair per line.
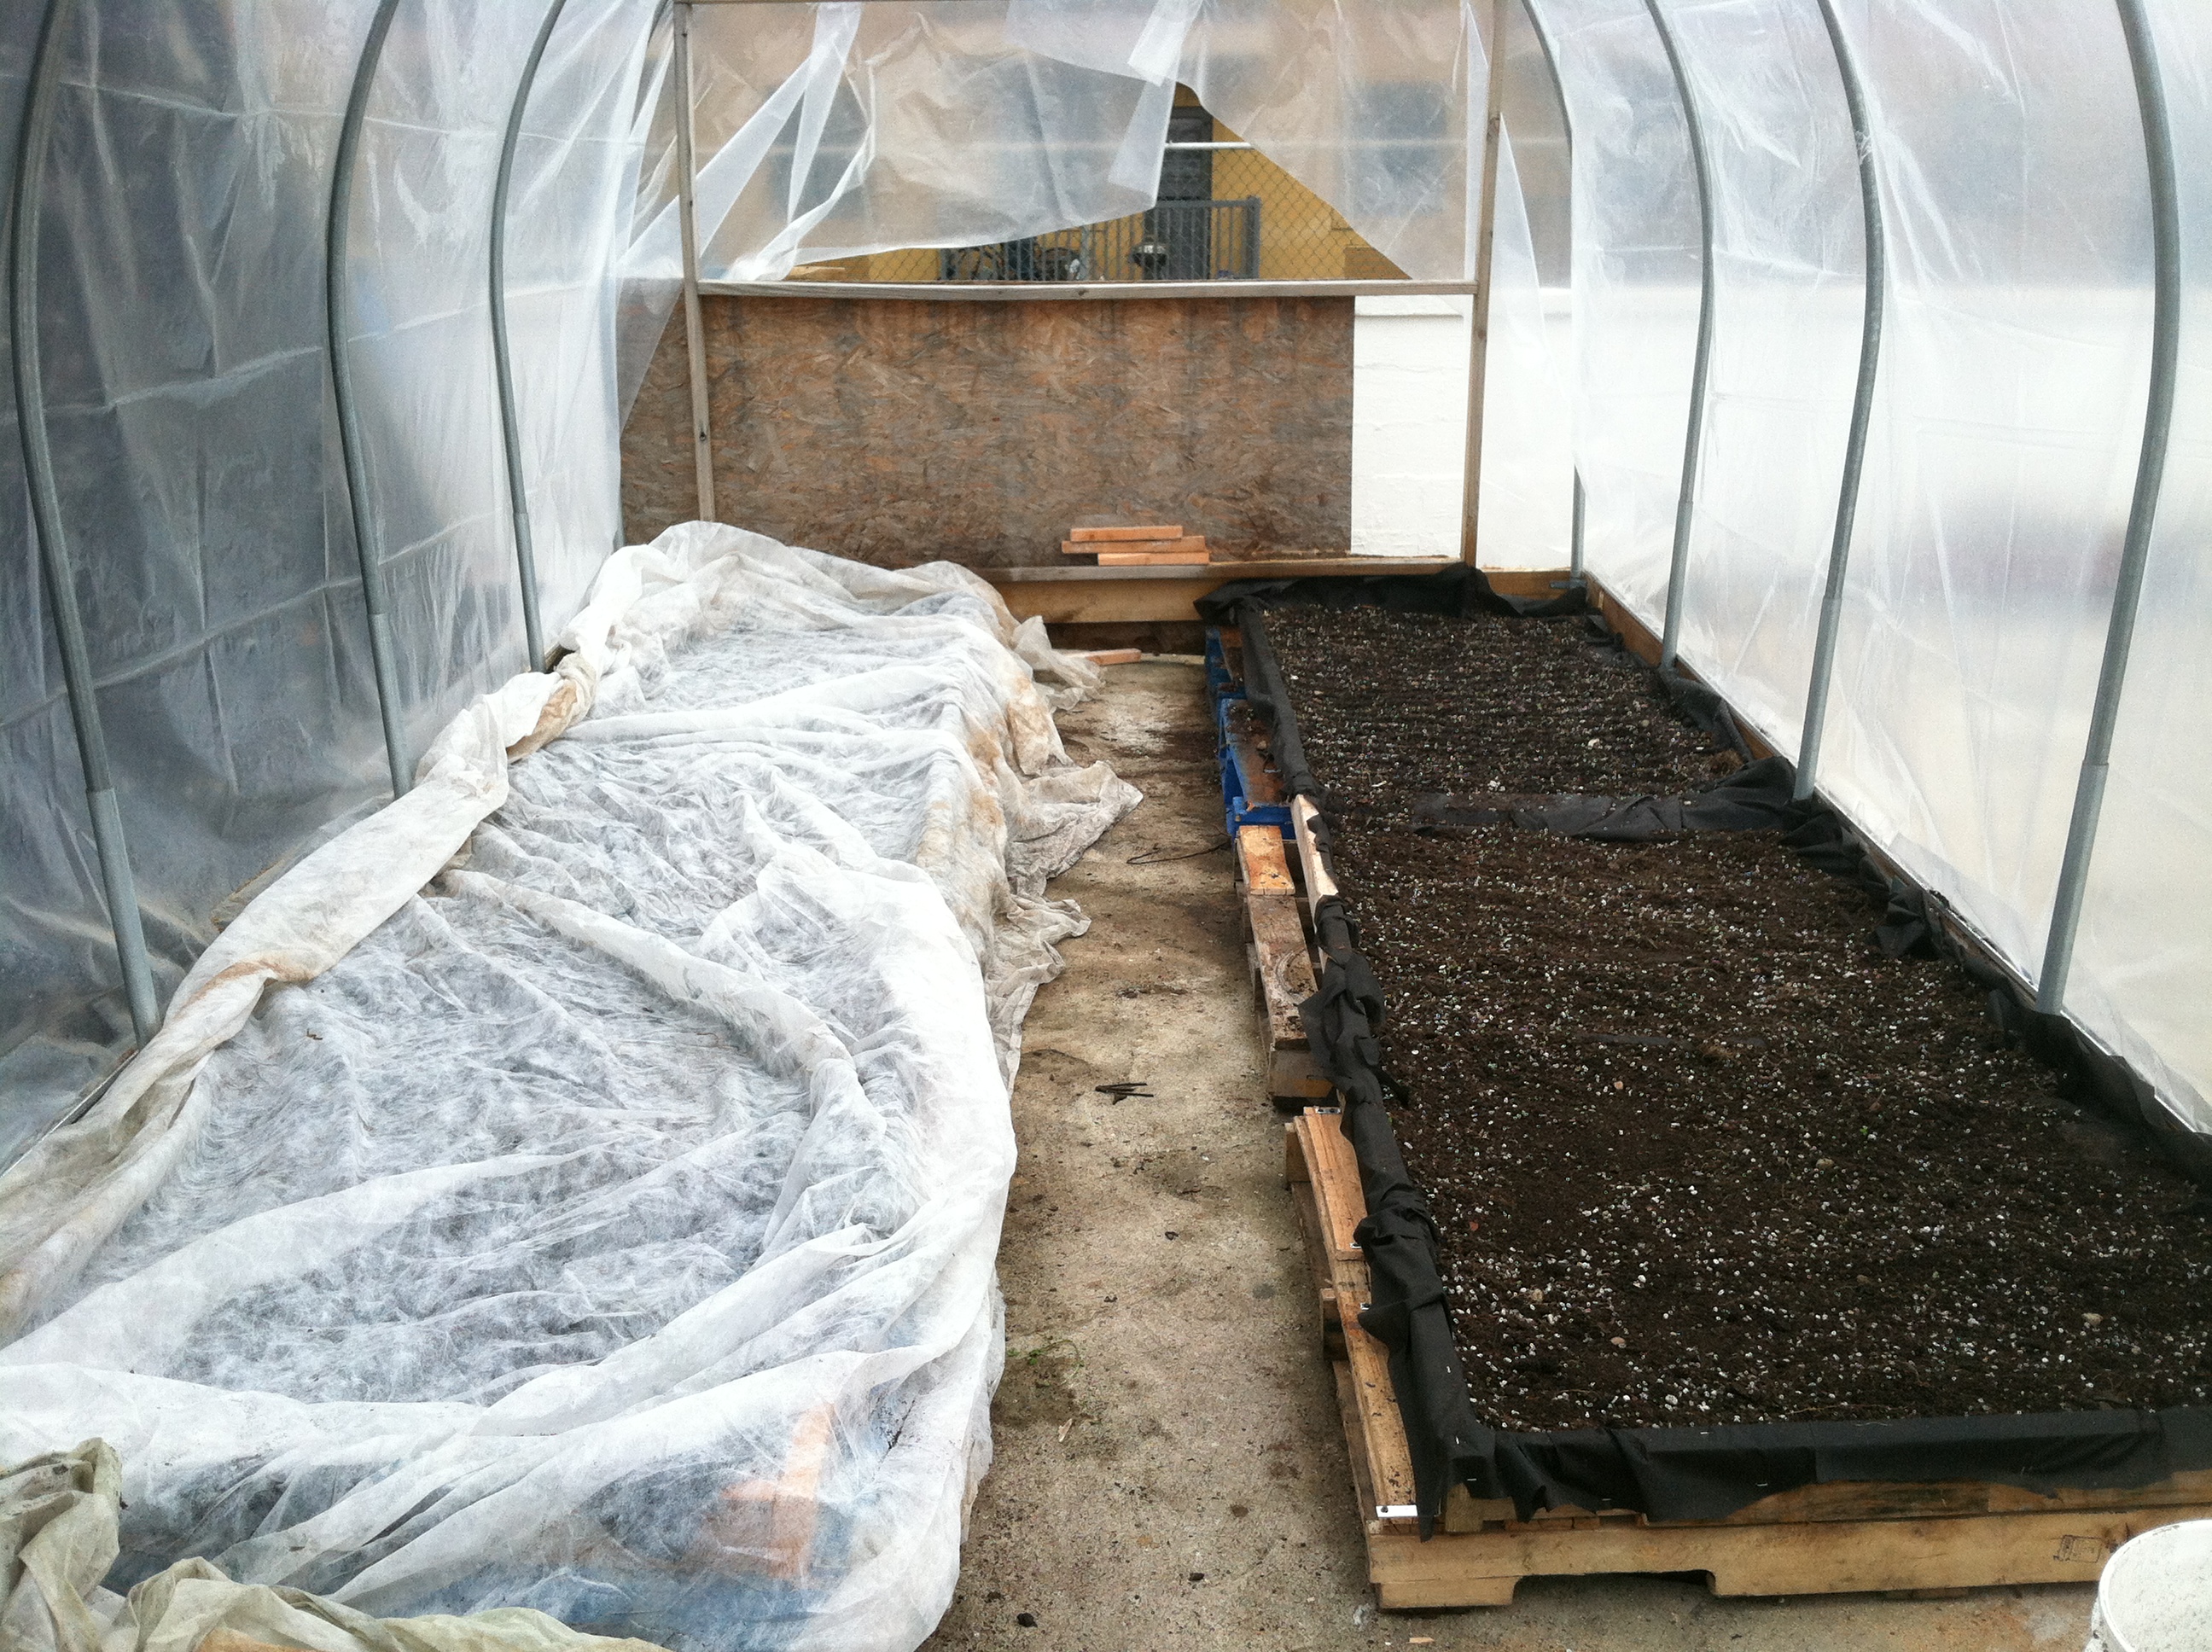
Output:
x,y
1813,1540
1281,960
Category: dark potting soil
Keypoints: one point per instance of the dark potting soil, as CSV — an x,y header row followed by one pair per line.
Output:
x,y
1698,1153
1393,706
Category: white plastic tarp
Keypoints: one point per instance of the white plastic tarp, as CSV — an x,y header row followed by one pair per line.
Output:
x,y
578,1185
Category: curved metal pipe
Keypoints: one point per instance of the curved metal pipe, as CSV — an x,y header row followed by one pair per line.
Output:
x,y
338,313
1566,125
2142,509
1670,638
115,876
1847,500
518,491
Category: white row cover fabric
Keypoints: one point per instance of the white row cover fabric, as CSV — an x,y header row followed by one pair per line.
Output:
x,y
2006,429
578,1185
59,1516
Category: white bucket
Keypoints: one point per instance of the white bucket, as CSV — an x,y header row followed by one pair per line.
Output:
x,y
2156,1593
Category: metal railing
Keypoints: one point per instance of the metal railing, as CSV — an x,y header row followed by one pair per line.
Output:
x,y
1175,240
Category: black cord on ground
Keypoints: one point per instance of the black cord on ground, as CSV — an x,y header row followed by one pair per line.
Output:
x,y
1152,856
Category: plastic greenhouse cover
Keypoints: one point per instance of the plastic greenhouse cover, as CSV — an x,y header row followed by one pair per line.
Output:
x,y
609,1228
2007,419
2142,963
182,321
832,130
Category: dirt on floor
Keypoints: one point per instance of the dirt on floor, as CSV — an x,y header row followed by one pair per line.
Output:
x,y
1171,1470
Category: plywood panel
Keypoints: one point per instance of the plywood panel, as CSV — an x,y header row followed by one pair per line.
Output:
x,y
901,431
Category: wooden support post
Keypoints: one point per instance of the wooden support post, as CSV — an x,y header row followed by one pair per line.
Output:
x,y
1478,320
687,218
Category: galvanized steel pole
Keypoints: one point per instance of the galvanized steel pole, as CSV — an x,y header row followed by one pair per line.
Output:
x,y
1847,500
1566,125
1478,319
518,490
687,219
1670,641
2142,509
108,840
338,313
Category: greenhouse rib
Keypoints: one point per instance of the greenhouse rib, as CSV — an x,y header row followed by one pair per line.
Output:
x,y
518,489
1686,503
2143,508
114,852
1847,500
338,313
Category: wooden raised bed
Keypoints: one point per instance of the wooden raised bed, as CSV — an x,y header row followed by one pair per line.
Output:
x,y
1817,1539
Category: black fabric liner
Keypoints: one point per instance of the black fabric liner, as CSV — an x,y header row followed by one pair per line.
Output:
x,y
1667,1474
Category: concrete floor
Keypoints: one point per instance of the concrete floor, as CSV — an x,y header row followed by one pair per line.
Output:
x,y
1170,1472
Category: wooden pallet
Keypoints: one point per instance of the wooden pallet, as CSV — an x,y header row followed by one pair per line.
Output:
x,y
1281,960
1817,1539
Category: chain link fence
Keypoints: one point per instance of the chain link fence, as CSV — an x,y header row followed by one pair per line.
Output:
x,y
1225,212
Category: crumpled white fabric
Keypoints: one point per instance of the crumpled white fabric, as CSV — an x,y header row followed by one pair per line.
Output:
x,y
608,1226
58,1517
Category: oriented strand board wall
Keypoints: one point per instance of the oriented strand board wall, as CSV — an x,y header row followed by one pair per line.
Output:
x,y
900,431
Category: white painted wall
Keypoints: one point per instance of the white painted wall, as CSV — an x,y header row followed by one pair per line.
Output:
x,y
1409,431
1408,425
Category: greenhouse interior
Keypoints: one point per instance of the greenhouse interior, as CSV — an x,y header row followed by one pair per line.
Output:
x,y
1106,823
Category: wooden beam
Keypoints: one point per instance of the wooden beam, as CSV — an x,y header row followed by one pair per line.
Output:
x,y
990,292
1372,1402
1084,595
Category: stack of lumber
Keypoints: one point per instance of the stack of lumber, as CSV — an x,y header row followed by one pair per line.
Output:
x,y
1137,547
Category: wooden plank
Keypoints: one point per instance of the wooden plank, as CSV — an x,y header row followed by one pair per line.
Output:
x,y
1774,1559
1381,1437
1542,583
1096,536
1081,594
1320,884
1262,785
1113,656
1283,966
1260,861
1179,553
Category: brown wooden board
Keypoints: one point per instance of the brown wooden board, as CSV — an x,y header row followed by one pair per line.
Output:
x,y
1839,1537
1281,959
1094,536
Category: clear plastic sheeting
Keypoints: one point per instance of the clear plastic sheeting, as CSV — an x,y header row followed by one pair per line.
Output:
x,y
826,131
182,319
2007,428
1788,275
1635,274
2142,962
577,1186
2010,420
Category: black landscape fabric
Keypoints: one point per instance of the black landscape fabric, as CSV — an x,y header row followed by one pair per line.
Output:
x,y
1666,1472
